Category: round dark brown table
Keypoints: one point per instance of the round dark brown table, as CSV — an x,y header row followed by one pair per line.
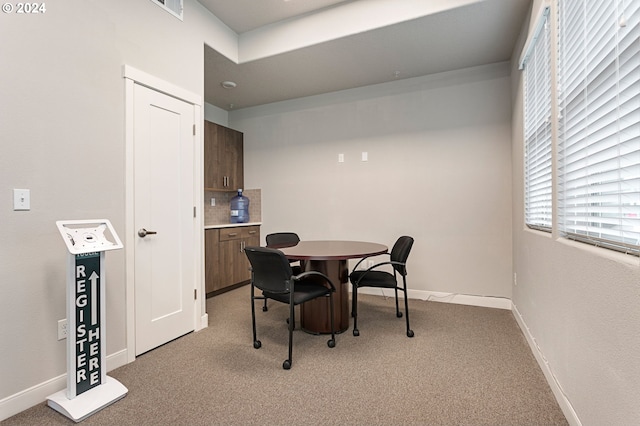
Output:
x,y
330,258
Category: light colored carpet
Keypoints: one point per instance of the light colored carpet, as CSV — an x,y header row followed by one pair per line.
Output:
x,y
465,366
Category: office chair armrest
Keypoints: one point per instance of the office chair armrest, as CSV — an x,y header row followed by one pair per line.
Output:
x,y
367,257
376,266
306,274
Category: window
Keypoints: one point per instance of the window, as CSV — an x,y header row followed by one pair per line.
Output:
x,y
537,128
174,7
599,123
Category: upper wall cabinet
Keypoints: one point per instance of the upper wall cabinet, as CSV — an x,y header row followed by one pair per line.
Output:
x,y
223,158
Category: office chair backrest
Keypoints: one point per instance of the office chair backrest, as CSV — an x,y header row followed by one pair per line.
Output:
x,y
282,239
270,269
400,253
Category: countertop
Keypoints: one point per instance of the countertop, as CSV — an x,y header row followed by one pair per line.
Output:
x,y
232,225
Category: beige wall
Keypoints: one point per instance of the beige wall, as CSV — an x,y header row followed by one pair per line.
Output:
x,y
441,150
439,169
63,137
580,309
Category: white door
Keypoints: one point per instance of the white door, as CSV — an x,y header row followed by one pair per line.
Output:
x,y
164,207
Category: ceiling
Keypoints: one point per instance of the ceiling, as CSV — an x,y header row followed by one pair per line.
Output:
x,y
246,15
478,33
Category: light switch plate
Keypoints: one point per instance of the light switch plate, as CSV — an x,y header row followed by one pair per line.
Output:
x,y
21,199
340,158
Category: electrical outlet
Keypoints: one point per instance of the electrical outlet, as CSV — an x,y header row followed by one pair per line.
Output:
x,y
515,279
62,329
213,202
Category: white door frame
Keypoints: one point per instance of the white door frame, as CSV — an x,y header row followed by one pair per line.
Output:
x,y
133,76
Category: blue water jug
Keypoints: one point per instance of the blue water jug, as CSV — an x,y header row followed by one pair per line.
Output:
x,y
239,208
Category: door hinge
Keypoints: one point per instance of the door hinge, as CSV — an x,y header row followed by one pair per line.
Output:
x,y
194,211
195,294
194,130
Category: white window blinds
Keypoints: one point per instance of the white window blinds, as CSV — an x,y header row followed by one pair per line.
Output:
x,y
599,123
537,128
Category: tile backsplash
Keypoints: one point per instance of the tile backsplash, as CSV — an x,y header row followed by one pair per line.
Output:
x,y
220,213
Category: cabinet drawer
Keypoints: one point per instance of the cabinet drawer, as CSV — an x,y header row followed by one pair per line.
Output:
x,y
250,231
239,232
227,234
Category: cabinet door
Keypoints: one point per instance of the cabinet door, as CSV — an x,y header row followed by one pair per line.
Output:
x,y
233,159
212,149
250,237
212,260
223,158
231,262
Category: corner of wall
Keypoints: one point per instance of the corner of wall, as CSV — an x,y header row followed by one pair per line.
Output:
x,y
558,392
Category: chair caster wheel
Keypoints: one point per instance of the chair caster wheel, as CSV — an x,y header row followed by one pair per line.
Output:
x,y
410,333
331,343
265,309
356,332
399,314
257,344
286,364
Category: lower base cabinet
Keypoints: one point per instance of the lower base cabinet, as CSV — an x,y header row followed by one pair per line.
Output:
x,y
226,266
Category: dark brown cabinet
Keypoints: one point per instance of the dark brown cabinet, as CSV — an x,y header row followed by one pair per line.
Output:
x,y
226,266
223,158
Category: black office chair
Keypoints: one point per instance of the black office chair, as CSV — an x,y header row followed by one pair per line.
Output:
x,y
271,273
372,277
279,240
282,239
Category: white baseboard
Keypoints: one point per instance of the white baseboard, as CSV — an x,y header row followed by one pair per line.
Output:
x,y
39,393
561,397
435,296
204,322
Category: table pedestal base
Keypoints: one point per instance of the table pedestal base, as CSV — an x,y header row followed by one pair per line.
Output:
x,y
315,313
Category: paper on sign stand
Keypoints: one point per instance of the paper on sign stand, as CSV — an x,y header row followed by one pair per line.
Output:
x,y
89,389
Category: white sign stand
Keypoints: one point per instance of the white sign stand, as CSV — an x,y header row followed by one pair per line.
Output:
x,y
89,389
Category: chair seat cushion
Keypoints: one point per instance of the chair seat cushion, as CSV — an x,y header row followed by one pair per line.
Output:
x,y
373,279
303,292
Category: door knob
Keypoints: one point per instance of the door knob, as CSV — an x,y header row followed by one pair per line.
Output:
x,y
143,233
